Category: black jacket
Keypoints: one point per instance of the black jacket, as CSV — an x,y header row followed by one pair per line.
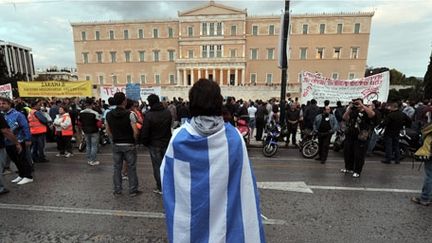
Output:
x,y
394,122
156,129
120,125
88,119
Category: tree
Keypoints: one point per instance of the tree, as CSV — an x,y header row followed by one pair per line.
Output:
x,y
428,80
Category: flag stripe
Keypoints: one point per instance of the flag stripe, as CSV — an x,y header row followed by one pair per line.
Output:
x,y
235,233
168,186
219,167
182,217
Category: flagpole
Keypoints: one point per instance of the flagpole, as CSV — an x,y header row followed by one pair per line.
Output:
x,y
284,62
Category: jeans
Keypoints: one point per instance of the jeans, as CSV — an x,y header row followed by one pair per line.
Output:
x,y
426,194
126,153
92,141
2,163
21,160
391,148
156,155
292,132
38,147
372,142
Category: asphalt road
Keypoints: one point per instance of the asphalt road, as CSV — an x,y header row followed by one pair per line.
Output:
x,y
71,201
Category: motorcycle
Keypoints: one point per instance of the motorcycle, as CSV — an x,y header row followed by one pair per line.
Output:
x,y
274,134
308,146
103,140
339,141
409,141
244,130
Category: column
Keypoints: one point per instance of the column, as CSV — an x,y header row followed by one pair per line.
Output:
x,y
206,73
178,77
199,73
228,76
214,74
192,76
243,73
236,77
184,77
221,77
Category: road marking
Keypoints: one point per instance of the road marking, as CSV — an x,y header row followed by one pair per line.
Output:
x,y
300,186
106,212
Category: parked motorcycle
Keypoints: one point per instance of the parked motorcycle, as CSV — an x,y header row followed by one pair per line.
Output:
x,y
274,134
308,146
339,141
244,130
409,141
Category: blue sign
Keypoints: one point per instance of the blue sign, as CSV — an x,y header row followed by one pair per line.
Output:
x,y
133,91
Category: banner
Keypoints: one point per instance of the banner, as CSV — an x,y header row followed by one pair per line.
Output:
x,y
6,91
55,89
375,87
109,91
133,91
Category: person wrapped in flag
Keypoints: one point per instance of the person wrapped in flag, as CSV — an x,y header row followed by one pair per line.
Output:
x,y
209,189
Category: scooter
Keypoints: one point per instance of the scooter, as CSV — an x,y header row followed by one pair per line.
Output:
x,y
244,130
271,138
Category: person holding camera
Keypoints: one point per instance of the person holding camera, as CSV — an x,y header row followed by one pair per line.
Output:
x,y
358,118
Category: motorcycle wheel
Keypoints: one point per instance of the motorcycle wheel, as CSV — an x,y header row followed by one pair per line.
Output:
x,y
269,150
82,146
403,152
310,149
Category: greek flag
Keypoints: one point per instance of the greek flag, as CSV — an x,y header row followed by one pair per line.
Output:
x,y
209,189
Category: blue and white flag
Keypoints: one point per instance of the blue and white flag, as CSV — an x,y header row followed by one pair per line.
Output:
x,y
209,189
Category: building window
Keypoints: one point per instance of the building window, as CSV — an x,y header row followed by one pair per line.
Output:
x,y
253,78
254,54
354,52
233,53
113,56
141,34
234,30
337,52
141,56
129,79
305,29
299,77
204,51
339,28
155,33
303,53
85,57
351,76
335,76
127,56
99,56
170,32
171,55
204,28
126,34
271,30
97,35
255,30
157,78
83,35
212,28
87,78
357,28
269,78
101,79
319,53
219,29
172,79
143,78
219,51
270,54
190,54
190,31
322,28
212,51
111,34
114,79
156,56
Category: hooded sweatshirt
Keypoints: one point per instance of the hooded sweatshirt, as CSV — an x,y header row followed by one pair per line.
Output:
x,y
120,125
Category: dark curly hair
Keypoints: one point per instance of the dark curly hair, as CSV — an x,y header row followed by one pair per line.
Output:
x,y
205,99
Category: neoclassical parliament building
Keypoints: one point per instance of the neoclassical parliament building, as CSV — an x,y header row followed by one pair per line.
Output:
x,y
221,43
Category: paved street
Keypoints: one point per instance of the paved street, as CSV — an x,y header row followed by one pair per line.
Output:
x,y
71,201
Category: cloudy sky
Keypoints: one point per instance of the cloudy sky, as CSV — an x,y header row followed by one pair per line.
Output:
x,y
401,35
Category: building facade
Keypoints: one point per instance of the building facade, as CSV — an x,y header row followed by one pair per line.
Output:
x,y
18,59
223,44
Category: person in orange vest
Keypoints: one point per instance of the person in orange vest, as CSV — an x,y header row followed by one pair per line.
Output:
x,y
64,132
38,128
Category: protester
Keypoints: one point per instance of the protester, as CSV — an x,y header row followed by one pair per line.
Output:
x,y
260,120
207,177
155,134
358,118
121,124
309,115
64,132
292,121
38,128
425,154
324,126
5,132
90,122
252,121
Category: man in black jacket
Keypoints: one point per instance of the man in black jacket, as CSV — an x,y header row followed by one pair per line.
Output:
x,y
156,134
393,123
